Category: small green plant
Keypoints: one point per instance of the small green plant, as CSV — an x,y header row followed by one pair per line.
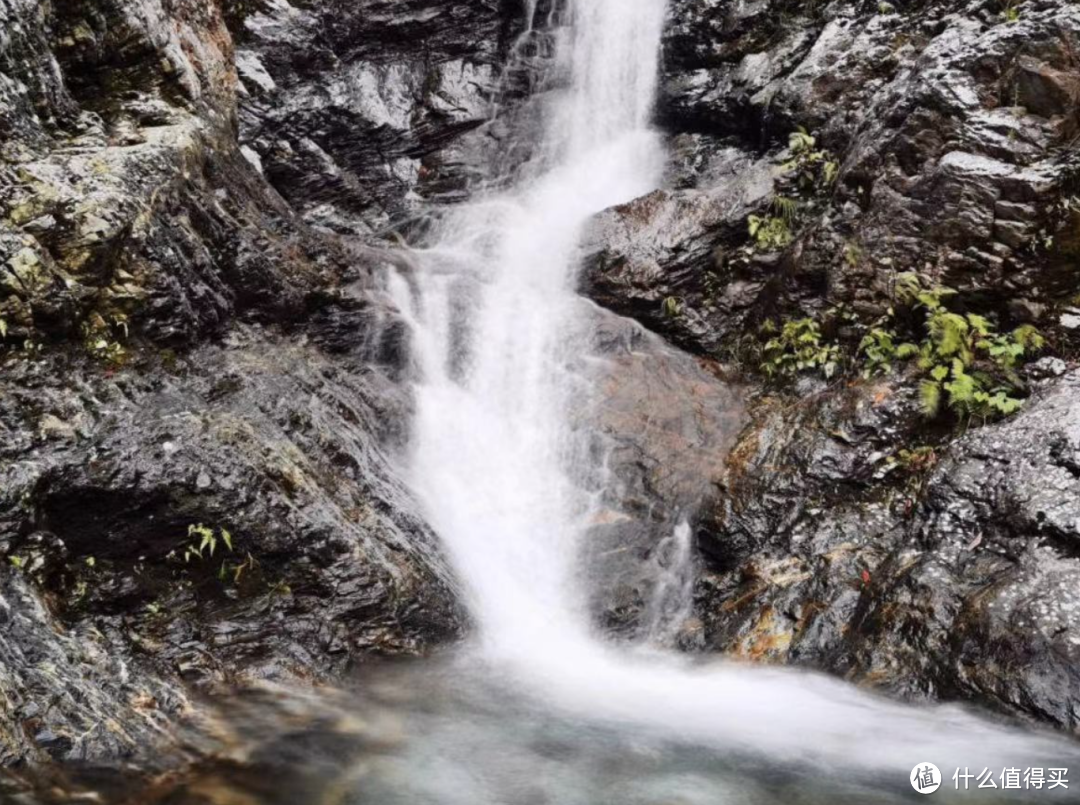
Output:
x,y
79,592
671,307
917,461
852,253
966,365
17,562
812,167
913,466
770,233
101,338
232,570
99,167
795,347
204,541
880,350
1010,11
808,171
280,588
775,231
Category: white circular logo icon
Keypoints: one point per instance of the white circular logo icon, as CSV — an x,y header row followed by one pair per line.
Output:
x,y
925,778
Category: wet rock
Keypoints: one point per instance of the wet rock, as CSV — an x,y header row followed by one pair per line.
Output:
x,y
72,693
956,582
180,350
266,743
352,122
662,259
285,453
168,234
665,423
949,126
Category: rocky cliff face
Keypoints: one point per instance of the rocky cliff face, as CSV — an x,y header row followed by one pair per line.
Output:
x,y
358,113
952,131
951,581
940,572
198,202
183,348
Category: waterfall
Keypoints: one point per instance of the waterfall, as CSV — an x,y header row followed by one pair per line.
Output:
x,y
671,602
498,336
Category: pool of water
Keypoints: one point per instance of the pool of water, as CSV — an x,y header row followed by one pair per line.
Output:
x,y
461,731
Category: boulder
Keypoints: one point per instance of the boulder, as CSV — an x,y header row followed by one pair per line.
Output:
x,y
663,423
956,579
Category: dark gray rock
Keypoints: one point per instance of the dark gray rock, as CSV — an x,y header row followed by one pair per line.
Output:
x,y
952,130
355,121
132,206
72,693
955,583
673,245
273,440
664,423
182,349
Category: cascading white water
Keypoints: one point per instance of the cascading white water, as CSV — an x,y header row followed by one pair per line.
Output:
x,y
497,331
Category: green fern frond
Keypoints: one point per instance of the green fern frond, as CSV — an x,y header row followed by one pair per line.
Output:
x,y
930,398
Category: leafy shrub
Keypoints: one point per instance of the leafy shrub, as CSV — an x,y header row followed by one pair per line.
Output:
x,y
795,347
965,364
805,175
812,168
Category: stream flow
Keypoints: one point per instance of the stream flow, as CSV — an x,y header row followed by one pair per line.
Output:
x,y
508,480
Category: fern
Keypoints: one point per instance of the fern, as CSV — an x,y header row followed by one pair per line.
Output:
x,y
961,388
672,307
798,346
930,398
880,350
771,233
786,208
800,141
949,333
964,361
906,351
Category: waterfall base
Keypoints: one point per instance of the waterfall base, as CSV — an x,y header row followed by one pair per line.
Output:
x,y
460,733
